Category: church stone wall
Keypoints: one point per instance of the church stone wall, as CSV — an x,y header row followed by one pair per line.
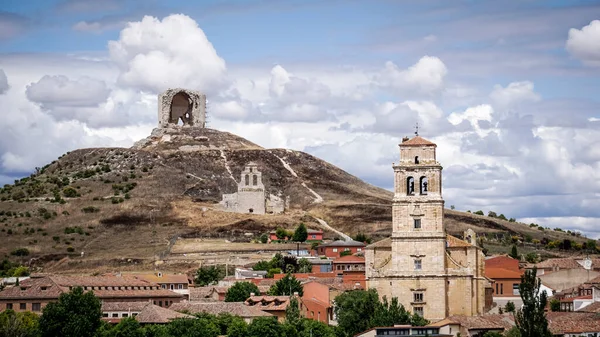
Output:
x,y
181,105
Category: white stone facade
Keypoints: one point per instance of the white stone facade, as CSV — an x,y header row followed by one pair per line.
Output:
x,y
250,197
430,272
183,106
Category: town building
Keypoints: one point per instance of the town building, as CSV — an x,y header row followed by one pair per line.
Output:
x,y
36,292
178,283
349,263
565,273
313,235
251,196
402,330
505,274
144,312
335,248
432,274
275,305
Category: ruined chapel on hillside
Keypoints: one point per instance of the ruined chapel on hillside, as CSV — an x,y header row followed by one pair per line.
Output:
x,y
433,274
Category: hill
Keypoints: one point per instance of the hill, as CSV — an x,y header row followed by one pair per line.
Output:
x,y
117,208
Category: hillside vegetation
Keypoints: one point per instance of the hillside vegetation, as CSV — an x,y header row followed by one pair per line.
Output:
x,y
117,207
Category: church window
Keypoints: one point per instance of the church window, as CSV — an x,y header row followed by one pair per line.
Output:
x,y
423,185
419,311
416,159
516,289
247,180
417,223
418,297
418,264
501,288
410,186
254,180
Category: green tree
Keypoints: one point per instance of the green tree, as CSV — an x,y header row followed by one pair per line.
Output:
x,y
509,307
74,315
240,291
513,332
531,257
201,327
292,312
513,252
355,310
70,192
127,327
591,245
531,319
209,275
286,286
263,327
554,305
361,237
304,266
418,320
238,328
492,334
21,324
300,234
264,238
313,328
345,253
262,265
225,320
389,314
478,212
281,233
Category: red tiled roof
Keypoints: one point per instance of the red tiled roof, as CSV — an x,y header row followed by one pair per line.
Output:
x,y
496,321
215,308
417,141
165,278
153,314
124,306
501,273
269,303
349,259
572,322
594,307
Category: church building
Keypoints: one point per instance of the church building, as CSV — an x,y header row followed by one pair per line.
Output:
x,y
432,274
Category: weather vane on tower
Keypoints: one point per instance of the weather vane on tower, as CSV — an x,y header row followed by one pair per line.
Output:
x,y
417,129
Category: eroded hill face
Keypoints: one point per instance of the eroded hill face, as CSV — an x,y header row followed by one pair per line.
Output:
x,y
117,208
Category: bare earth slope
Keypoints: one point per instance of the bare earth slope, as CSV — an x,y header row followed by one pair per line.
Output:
x,y
118,207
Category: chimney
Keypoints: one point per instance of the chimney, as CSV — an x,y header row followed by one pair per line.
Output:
x,y
405,139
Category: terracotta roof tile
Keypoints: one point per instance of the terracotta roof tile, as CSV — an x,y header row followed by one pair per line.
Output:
x,y
341,243
165,278
153,314
349,259
417,141
215,308
594,307
501,273
269,303
572,322
566,263
124,306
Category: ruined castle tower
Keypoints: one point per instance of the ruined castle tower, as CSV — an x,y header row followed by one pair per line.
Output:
x,y
181,107
431,273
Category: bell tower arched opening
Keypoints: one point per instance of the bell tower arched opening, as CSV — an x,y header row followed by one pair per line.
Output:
x,y
423,183
410,186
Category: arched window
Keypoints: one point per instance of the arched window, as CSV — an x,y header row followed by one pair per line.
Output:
x,y
254,180
423,183
410,186
247,180
416,159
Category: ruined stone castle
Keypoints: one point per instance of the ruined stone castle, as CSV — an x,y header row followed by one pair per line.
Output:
x,y
183,106
431,273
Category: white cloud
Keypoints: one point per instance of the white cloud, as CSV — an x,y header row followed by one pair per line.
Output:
x,y
154,55
514,93
426,76
584,43
53,91
3,82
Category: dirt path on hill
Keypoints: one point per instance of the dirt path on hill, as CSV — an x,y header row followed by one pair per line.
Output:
x,y
325,225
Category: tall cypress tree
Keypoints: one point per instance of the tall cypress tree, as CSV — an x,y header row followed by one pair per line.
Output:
x,y
531,319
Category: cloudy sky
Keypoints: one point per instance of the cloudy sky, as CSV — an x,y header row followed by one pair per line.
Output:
x,y
509,90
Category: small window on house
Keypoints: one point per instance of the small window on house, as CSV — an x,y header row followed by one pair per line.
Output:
x,y
125,314
418,297
164,286
160,303
335,250
419,311
105,314
9,306
359,249
346,249
22,306
172,287
36,307
43,288
418,264
516,289
417,223
501,288
115,315
180,286
314,236
134,314
251,210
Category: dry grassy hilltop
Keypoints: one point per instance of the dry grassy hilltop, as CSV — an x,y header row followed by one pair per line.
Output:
x,y
116,208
